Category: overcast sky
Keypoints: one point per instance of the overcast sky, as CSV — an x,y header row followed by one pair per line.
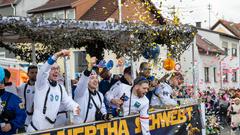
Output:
x,y
191,11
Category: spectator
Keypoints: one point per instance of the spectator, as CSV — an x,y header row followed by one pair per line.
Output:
x,y
163,95
107,81
88,97
117,94
12,113
26,92
49,95
135,100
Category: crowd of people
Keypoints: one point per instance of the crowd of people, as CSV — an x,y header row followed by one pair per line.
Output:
x,y
222,109
42,102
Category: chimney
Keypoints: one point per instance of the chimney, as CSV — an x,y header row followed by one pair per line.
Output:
x,y
198,24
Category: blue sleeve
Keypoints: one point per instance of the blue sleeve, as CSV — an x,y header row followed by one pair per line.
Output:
x,y
20,113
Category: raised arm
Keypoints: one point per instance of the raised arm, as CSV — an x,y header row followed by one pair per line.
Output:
x,y
82,85
43,73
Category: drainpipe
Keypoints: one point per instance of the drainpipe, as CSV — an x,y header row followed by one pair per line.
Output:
x,y
14,8
221,79
120,11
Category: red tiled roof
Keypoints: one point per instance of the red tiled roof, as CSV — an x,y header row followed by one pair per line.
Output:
x,y
207,46
6,2
231,26
52,5
105,8
101,10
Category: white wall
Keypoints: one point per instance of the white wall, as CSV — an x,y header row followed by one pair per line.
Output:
x,y
187,68
229,62
221,28
24,5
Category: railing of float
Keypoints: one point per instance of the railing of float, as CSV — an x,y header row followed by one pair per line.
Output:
x,y
184,120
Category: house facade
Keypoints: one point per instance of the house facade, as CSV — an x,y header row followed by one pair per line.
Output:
x,y
217,69
16,8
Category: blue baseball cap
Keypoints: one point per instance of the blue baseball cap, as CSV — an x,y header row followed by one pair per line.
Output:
x,y
2,74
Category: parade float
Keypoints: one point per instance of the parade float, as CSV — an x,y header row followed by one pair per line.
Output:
x,y
33,40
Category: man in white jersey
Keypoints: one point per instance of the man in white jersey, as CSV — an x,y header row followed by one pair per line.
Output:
x,y
26,92
162,96
117,93
49,94
88,97
135,101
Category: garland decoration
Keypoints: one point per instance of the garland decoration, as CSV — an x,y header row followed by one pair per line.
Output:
x,y
125,39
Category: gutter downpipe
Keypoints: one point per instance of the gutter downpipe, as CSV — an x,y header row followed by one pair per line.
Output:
x,y
14,8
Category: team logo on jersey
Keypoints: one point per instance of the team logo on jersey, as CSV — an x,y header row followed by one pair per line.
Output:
x,y
51,97
137,104
90,105
165,93
28,91
21,106
56,97
3,103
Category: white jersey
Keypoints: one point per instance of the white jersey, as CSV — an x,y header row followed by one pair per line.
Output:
x,y
138,105
26,93
117,91
62,117
162,96
81,96
47,101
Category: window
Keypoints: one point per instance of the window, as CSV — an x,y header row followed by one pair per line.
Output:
x,y
225,51
60,15
225,75
234,49
70,14
234,75
206,74
214,74
234,52
225,47
80,61
55,15
48,15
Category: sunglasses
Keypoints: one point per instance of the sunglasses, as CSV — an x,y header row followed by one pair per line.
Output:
x,y
147,69
55,68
